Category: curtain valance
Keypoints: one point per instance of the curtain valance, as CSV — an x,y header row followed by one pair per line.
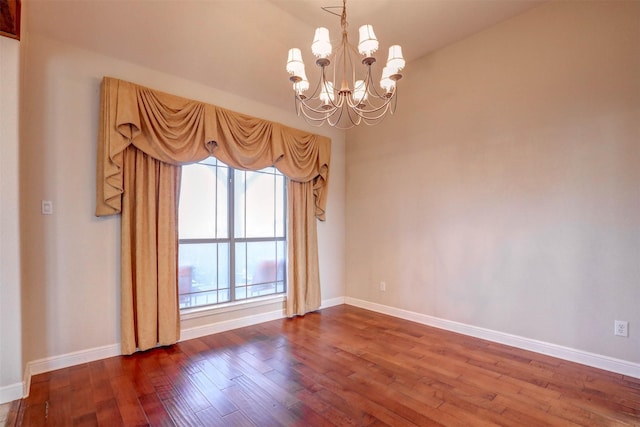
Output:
x,y
177,130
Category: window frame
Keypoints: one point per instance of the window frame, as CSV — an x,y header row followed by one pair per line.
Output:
x,y
231,240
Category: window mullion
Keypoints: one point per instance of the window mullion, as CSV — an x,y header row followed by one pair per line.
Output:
x,y
215,233
275,228
285,232
232,234
244,231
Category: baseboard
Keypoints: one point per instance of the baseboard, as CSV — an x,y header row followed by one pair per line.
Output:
x,y
590,359
19,390
332,302
241,322
11,392
66,360
227,325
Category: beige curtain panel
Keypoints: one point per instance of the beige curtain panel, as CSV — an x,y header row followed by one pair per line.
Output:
x,y
144,137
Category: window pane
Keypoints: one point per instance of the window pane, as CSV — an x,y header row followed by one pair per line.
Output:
x,y
239,207
259,203
203,275
241,264
203,202
260,268
222,203
280,207
281,256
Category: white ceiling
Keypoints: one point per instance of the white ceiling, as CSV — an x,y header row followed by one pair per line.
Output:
x,y
241,46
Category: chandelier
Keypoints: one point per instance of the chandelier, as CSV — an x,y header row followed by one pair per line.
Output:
x,y
345,95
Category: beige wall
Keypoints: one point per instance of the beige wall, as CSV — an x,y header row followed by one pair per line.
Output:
x,y
70,262
505,193
10,323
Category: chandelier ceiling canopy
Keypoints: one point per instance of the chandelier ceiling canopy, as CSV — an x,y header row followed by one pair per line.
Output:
x,y
345,95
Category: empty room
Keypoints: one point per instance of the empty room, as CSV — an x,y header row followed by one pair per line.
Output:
x,y
320,212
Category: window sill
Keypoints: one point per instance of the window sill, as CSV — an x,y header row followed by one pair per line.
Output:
x,y
194,313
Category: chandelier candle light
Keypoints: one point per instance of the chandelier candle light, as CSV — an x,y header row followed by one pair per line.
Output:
x,y
353,101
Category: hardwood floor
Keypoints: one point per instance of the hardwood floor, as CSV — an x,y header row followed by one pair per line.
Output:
x,y
340,366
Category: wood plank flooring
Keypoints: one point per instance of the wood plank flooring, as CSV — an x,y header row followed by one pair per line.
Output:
x,y
341,366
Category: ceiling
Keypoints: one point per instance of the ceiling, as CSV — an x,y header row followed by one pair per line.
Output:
x,y
240,46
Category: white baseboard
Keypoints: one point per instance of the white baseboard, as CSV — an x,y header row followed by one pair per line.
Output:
x,y
241,322
18,390
590,359
48,364
11,392
332,302
40,366
227,325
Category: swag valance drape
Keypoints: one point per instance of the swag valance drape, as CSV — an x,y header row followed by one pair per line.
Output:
x,y
144,137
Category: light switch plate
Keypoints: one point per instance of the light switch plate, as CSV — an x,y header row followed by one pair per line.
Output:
x,y
47,207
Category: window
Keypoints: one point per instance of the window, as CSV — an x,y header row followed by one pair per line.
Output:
x,y
232,234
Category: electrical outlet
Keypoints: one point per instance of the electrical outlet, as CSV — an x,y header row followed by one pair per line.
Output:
x,y
621,328
383,286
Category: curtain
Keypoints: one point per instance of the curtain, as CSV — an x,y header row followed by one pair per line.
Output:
x,y
144,137
149,263
303,256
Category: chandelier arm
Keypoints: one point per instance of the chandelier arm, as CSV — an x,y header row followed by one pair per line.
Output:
x,y
369,115
372,88
326,86
340,124
319,110
314,121
376,95
312,112
358,118
395,102
356,103
317,89
303,108
341,111
374,106
353,103
319,121
389,105
322,109
375,109
362,112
